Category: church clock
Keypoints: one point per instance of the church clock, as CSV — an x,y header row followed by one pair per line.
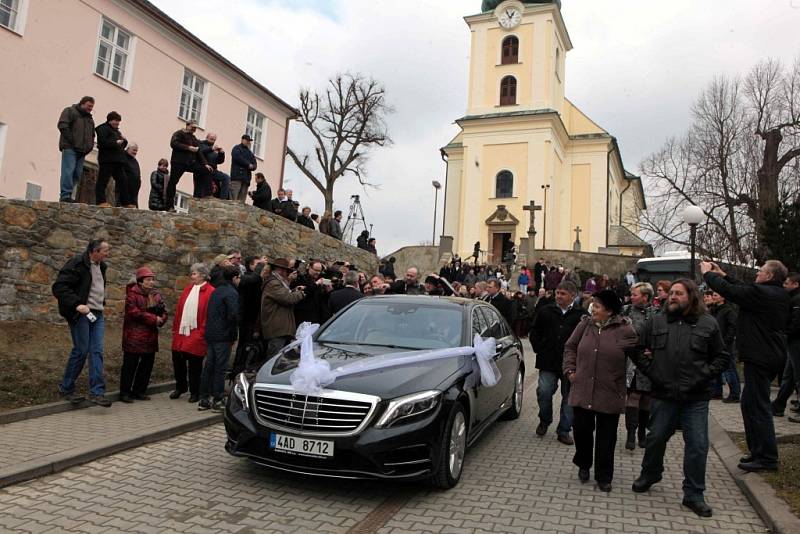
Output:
x,y
510,18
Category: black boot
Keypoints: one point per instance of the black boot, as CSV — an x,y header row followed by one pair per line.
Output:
x,y
644,419
631,421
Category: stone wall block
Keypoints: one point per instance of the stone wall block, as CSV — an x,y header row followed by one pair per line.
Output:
x,y
16,215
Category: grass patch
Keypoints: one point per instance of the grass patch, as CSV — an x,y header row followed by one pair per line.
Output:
x,y
786,480
33,356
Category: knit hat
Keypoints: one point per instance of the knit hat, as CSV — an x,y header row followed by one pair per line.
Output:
x,y
609,300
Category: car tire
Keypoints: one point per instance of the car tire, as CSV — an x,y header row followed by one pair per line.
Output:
x,y
452,449
515,410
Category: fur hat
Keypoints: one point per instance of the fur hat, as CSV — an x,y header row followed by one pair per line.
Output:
x,y
609,300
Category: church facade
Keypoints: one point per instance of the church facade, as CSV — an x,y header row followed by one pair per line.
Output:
x,y
523,141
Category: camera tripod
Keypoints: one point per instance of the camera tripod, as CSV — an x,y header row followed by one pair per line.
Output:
x,y
354,215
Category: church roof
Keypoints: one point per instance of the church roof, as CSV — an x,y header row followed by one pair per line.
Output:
x,y
619,236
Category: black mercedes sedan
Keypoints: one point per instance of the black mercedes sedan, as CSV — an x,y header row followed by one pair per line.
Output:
x,y
404,422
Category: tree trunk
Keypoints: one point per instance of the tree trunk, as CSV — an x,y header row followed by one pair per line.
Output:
x,y
767,176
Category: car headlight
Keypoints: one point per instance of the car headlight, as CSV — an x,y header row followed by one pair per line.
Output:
x,y
241,390
409,406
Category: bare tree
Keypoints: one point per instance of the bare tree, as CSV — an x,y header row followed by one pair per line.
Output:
x,y
345,122
734,163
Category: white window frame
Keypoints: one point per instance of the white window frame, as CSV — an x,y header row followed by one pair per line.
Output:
x,y
182,202
259,138
127,72
21,9
201,111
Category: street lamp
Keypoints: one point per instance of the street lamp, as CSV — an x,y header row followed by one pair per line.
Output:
x,y
693,215
436,186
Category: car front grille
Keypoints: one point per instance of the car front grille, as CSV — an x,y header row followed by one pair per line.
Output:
x,y
330,413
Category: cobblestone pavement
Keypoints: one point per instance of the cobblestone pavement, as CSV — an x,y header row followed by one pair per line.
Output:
x,y
729,416
77,429
513,482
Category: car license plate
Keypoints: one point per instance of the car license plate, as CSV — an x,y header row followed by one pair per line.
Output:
x,y
300,446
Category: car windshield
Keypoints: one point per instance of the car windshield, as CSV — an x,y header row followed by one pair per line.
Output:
x,y
410,325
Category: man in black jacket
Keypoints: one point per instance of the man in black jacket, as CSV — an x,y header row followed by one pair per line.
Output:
x,y
262,196
305,219
790,383
80,291
204,178
726,319
761,343
349,293
110,159
242,166
552,327
221,326
314,306
186,157
681,352
498,300
76,139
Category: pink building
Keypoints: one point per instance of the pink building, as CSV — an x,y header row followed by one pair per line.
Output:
x,y
133,59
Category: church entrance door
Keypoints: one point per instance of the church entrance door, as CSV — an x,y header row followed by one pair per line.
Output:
x,y
501,244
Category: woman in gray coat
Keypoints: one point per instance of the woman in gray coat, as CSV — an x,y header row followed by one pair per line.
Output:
x,y
637,407
595,364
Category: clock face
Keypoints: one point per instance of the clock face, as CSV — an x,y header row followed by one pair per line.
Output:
x,y
510,18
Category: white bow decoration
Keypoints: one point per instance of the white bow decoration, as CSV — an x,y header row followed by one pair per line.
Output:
x,y
312,374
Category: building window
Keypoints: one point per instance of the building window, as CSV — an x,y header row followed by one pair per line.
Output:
x,y
504,185
558,63
255,129
510,50
182,202
32,191
192,95
9,14
508,91
113,52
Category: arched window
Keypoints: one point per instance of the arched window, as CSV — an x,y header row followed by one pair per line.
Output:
x,y
508,91
510,50
504,185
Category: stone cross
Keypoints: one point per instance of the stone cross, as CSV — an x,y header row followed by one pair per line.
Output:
x,y
531,252
576,246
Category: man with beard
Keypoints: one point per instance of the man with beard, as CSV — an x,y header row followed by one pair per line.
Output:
x,y
761,345
681,352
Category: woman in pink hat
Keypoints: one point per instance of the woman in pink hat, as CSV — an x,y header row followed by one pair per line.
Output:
x,y
144,314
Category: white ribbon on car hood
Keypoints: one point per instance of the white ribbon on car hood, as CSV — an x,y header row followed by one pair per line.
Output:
x,y
313,374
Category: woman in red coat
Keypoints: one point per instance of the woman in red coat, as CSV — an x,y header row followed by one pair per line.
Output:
x,y
144,314
188,334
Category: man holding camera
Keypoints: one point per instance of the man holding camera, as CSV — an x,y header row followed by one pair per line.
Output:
x,y
80,291
277,305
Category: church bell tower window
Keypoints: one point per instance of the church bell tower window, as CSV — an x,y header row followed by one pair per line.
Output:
x,y
510,50
508,91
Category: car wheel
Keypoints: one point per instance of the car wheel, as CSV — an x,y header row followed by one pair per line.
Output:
x,y
517,397
452,449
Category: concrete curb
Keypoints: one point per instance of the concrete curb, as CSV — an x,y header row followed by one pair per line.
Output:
x,y
40,410
773,510
48,465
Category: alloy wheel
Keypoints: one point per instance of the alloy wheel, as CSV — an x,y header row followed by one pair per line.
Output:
x,y
458,444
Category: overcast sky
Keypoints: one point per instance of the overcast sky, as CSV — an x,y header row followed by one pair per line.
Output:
x,y
635,69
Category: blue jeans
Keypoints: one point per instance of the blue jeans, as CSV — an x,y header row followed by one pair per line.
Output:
x,y
729,376
548,382
664,417
224,184
212,381
71,171
87,340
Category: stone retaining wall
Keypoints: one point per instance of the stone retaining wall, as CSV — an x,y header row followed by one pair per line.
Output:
x,y
611,264
37,238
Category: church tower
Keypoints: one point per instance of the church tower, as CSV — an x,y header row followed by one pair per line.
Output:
x,y
521,140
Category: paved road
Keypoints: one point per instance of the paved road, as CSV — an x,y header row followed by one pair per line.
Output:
x,y
513,482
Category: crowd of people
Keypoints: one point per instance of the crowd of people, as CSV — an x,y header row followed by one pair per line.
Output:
x,y
655,355
117,160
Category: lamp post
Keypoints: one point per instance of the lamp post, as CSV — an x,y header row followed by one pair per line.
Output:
x,y
693,215
544,216
436,186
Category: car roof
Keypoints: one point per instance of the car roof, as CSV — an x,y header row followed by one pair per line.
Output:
x,y
456,301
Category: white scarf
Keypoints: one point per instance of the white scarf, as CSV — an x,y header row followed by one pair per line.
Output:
x,y
189,315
